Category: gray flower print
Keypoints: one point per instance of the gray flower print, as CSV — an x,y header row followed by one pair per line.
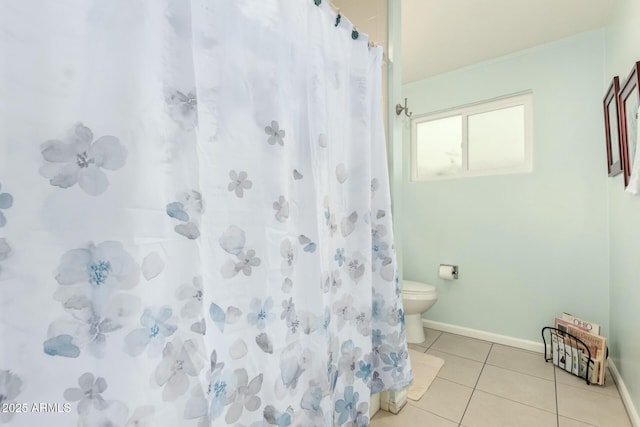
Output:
x,y
5,250
375,185
88,394
106,265
246,396
89,327
77,159
261,313
281,206
245,263
344,311
179,362
336,281
183,109
157,325
239,183
192,295
6,201
10,388
288,251
355,267
276,135
348,361
363,323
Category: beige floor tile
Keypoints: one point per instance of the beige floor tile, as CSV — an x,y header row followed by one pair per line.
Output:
x,y
487,410
522,388
409,416
527,362
430,336
458,369
462,346
446,399
609,387
591,407
416,347
568,422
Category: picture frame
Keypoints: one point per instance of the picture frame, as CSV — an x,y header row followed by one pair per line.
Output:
x,y
629,101
613,135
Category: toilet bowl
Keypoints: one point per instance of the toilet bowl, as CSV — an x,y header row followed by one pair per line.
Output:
x,y
416,299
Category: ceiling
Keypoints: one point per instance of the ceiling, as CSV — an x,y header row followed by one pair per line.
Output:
x,y
444,35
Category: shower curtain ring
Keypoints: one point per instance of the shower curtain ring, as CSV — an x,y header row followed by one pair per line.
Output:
x,y
355,33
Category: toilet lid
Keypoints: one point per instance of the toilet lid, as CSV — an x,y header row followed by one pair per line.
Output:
x,y
411,287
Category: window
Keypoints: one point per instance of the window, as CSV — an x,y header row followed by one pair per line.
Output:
x,y
488,138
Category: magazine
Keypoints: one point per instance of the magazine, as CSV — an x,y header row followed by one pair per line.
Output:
x,y
581,323
596,344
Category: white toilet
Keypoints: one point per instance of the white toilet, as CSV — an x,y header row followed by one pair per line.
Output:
x,y
416,299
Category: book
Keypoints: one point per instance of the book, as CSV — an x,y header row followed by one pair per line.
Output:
x,y
586,325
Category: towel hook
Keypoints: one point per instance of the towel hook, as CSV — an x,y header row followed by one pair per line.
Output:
x,y
400,109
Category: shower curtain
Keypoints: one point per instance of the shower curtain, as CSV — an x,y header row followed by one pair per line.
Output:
x,y
195,224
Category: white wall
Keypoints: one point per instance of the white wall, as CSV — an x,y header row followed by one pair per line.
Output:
x,y
529,246
622,51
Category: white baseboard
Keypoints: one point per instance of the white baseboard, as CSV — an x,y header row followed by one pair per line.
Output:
x,y
624,393
486,336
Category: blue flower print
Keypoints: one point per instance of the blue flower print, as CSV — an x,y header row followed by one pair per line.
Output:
x,y
379,248
364,371
276,135
88,394
6,201
10,388
77,159
188,209
376,337
261,313
222,390
394,362
157,325
180,360
339,256
106,265
347,407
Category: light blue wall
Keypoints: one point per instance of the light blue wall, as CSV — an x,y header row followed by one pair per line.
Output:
x,y
529,246
622,51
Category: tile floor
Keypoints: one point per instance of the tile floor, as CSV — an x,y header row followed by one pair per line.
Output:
x,y
490,385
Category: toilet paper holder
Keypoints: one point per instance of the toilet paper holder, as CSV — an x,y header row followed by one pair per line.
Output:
x,y
448,271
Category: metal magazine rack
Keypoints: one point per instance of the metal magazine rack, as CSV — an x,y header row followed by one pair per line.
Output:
x,y
584,360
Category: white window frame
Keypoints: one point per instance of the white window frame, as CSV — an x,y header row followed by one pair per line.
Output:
x,y
525,99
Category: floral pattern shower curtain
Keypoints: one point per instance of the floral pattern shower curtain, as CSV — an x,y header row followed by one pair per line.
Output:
x,y
195,224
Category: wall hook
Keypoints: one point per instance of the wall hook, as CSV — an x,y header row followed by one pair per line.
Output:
x,y
400,109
